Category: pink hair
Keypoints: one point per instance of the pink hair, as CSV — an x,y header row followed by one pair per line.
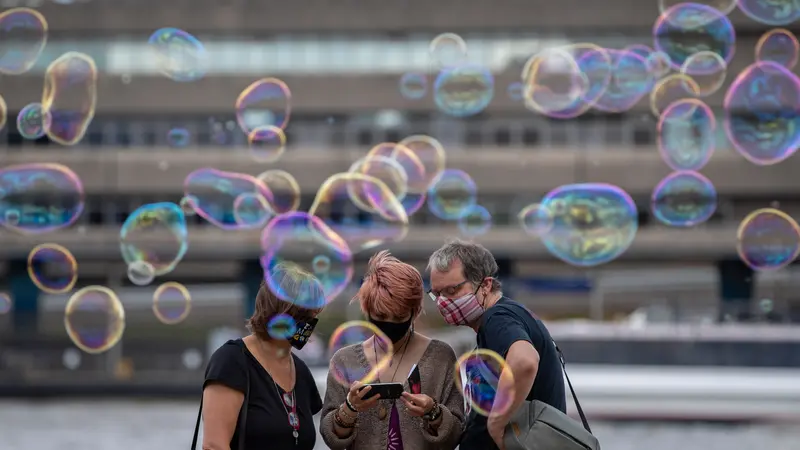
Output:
x,y
391,288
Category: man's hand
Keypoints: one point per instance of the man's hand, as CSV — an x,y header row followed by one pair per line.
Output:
x,y
497,431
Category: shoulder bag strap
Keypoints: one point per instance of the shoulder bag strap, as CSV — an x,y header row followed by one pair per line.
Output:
x,y
569,383
242,414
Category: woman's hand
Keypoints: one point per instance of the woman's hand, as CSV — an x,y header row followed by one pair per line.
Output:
x,y
356,397
418,404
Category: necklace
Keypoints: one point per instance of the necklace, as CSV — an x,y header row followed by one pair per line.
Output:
x,y
382,411
289,403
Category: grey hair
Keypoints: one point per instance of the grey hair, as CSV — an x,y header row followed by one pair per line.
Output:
x,y
477,261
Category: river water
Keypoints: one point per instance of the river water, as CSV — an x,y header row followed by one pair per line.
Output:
x,y
162,425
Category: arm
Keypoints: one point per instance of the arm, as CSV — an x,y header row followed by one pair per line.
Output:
x,y
447,428
221,406
522,365
335,436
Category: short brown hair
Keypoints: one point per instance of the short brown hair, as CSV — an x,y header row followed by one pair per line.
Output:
x,y
295,284
391,288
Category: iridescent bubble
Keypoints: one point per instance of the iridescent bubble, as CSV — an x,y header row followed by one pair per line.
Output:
x,y
554,81
413,85
768,239
447,50
172,303
383,168
683,199
281,326
267,143
23,33
178,137
535,219
214,193
39,198
477,376
188,204
292,244
476,221
94,319
52,268
251,210
284,188
452,195
33,120
141,273
429,152
3,112
5,303
359,332
631,80
266,102
761,113
178,55
593,223
708,70
416,179
321,264
70,97
689,28
771,12
514,91
155,234
687,134
659,64
671,89
384,219
723,6
464,90
780,46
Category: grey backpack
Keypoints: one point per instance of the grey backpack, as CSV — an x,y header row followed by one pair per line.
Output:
x,y
539,426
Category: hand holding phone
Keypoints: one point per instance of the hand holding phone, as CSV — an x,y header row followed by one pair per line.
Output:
x,y
388,391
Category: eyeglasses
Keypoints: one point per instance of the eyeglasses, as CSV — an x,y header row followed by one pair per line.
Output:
x,y
451,289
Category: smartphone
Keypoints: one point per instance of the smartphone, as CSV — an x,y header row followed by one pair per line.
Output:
x,y
414,381
389,391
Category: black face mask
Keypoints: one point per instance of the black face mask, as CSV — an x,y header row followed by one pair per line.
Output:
x,y
303,332
393,331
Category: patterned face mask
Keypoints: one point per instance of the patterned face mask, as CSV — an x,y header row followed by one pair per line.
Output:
x,y
463,310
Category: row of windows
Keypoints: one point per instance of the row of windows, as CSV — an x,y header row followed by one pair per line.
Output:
x,y
596,133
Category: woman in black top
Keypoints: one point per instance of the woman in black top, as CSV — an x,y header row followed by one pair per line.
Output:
x,y
283,395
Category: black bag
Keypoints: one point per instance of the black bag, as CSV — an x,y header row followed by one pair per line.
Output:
x,y
242,421
538,426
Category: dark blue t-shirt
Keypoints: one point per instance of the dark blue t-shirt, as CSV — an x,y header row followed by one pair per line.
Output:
x,y
504,324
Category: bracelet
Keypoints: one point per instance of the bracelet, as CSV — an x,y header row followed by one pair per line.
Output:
x,y
338,421
343,411
434,413
350,405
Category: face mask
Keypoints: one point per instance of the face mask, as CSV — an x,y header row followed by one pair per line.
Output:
x,y
302,333
463,310
393,331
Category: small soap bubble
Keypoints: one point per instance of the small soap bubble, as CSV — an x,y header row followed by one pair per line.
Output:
x,y
156,235
178,55
178,137
452,195
217,197
94,319
281,326
447,50
413,85
285,190
684,199
141,273
5,303
359,332
23,32
70,97
52,268
477,376
267,143
266,102
535,219
172,303
33,120
463,91
768,239
476,221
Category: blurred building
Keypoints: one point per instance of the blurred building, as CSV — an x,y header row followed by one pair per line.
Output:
x,y
343,61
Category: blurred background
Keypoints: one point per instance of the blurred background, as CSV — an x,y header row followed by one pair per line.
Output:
x,y
682,336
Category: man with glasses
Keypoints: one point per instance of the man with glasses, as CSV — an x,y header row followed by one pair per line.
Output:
x,y
466,292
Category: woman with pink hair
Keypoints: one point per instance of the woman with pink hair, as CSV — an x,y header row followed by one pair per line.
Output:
x,y
391,299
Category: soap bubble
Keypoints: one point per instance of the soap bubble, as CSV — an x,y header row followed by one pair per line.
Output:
x,y
94,319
